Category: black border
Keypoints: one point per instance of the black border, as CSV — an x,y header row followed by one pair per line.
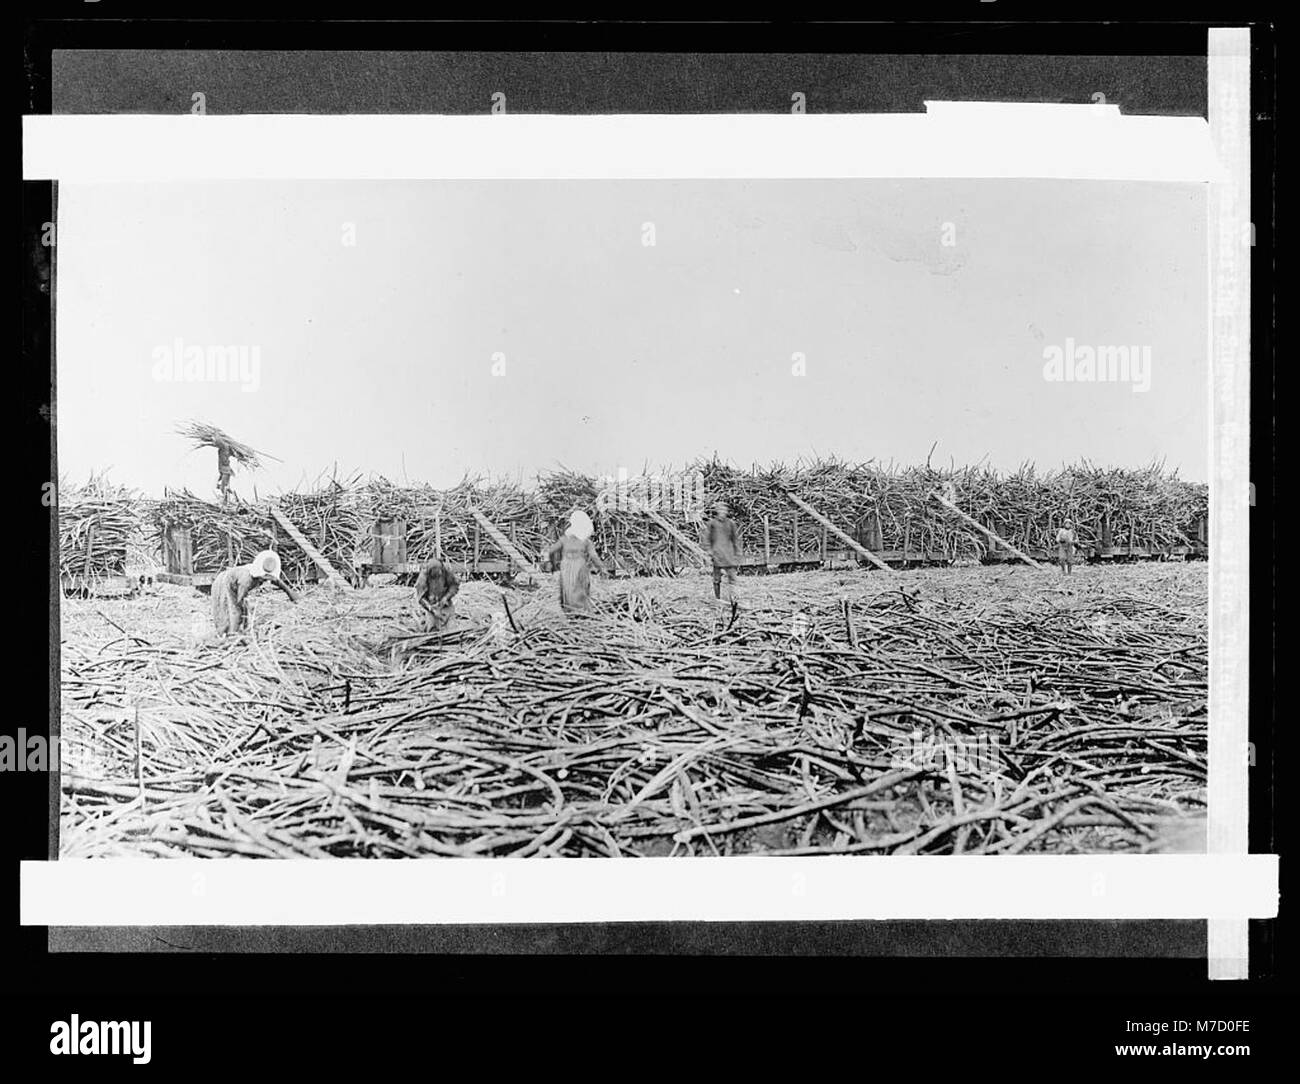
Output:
x,y
764,970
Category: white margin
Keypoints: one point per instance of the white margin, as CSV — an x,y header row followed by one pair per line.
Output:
x,y
310,892
952,139
1228,238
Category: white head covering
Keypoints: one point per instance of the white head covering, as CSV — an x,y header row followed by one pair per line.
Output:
x,y
580,525
266,564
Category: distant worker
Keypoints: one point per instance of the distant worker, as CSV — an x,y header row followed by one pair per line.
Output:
x,y
724,548
435,588
575,556
1065,547
231,589
224,472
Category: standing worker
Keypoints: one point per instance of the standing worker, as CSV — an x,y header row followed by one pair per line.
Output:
x,y
1065,547
231,589
435,587
575,556
724,547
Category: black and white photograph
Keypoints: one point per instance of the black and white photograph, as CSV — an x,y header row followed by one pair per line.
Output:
x,y
777,515
617,519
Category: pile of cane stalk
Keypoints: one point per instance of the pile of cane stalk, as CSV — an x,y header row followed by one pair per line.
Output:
x,y
879,505
938,712
875,504
1150,506
101,529
222,536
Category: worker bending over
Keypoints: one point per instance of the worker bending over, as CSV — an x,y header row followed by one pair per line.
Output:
x,y
231,588
435,588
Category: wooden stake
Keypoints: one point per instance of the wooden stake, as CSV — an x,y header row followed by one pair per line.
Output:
x,y
90,542
980,527
877,535
689,546
301,541
139,759
829,526
504,544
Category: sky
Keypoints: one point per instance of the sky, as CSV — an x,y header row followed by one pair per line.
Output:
x,y
426,330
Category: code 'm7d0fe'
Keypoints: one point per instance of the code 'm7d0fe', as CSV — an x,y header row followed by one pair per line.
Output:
x,y
1157,1027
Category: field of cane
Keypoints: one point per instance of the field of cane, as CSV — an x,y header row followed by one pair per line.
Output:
x,y
940,711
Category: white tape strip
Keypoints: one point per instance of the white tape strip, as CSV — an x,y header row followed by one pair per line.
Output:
x,y
111,892
953,139
1229,240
